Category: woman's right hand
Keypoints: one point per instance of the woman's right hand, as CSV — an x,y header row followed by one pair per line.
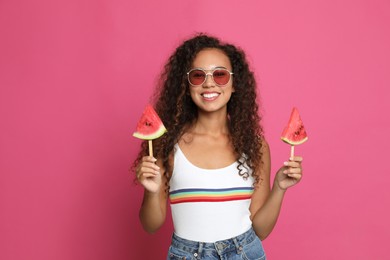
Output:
x,y
148,174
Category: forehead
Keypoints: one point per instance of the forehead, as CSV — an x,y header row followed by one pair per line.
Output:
x,y
211,58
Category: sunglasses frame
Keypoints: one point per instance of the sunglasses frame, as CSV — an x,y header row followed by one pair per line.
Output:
x,y
211,72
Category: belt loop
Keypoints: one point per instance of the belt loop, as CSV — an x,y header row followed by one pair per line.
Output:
x,y
197,255
238,247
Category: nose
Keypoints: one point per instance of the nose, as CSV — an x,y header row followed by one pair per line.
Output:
x,y
209,80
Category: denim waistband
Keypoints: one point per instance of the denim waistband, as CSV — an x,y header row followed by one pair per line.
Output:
x,y
196,248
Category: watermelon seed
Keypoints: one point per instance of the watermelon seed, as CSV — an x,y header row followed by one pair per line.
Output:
x,y
298,132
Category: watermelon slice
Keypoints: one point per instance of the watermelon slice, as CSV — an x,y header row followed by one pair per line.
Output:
x,y
149,126
294,133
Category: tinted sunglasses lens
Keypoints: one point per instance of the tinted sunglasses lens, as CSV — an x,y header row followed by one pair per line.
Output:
x,y
197,77
221,77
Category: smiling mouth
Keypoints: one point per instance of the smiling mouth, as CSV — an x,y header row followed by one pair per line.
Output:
x,y
210,95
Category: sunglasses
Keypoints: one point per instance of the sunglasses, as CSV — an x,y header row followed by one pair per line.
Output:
x,y
197,76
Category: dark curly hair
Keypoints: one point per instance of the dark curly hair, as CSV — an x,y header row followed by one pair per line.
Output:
x,y
177,110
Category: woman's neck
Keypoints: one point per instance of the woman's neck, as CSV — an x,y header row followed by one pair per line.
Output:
x,y
211,123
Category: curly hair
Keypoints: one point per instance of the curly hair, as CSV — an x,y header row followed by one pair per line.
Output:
x,y
177,110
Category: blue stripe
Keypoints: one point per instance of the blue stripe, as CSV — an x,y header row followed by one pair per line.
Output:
x,y
212,190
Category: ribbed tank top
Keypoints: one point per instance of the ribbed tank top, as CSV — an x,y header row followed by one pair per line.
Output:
x,y
208,205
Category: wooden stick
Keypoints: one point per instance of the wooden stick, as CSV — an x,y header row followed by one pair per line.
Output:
x,y
150,148
292,151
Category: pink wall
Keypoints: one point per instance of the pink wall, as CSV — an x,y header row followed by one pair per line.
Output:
x,y
76,74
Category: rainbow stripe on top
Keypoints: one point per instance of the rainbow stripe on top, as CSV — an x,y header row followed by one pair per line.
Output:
x,y
210,195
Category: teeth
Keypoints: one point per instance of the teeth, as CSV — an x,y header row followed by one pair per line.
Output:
x,y
210,95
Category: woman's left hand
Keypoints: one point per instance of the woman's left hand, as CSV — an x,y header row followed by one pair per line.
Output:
x,y
290,174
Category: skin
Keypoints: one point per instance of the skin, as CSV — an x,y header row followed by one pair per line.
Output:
x,y
206,144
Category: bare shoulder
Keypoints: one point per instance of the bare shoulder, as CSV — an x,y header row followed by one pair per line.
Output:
x,y
264,146
265,157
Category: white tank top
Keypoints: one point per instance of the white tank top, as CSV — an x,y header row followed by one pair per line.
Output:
x,y
208,205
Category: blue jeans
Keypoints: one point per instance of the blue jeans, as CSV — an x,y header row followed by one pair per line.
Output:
x,y
245,246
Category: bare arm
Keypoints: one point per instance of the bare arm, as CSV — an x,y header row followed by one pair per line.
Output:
x,y
153,209
266,204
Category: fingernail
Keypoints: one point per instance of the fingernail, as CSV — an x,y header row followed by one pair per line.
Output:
x,y
285,163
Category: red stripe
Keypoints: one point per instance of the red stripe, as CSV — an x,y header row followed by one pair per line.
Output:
x,y
211,199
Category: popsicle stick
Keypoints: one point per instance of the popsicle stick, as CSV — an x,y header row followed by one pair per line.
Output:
x,y
150,148
292,151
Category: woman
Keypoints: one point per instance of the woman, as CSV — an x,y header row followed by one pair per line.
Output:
x,y
214,163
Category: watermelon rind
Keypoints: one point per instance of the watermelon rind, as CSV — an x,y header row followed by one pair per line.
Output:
x,y
161,130
286,140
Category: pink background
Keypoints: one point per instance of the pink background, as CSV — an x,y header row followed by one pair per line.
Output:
x,y
76,74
